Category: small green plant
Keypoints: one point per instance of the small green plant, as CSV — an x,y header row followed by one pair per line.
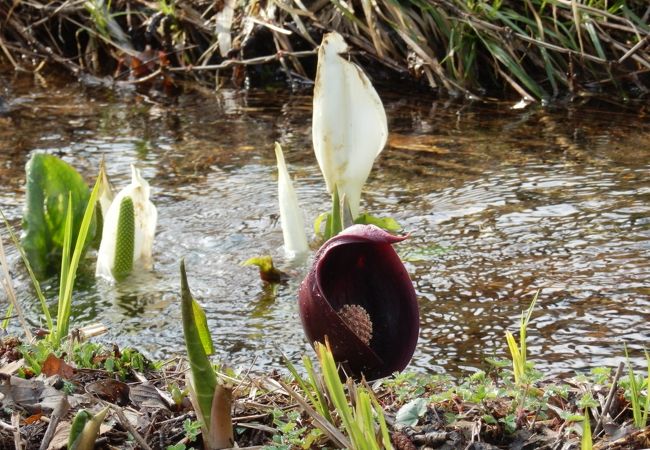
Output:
x,y
518,352
69,265
290,435
192,429
640,403
364,421
34,356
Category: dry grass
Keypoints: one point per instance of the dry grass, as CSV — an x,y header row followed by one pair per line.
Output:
x,y
537,49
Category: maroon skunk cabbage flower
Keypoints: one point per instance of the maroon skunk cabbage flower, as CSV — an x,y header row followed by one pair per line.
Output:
x,y
359,295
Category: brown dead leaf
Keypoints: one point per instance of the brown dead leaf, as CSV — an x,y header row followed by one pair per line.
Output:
x,y
146,395
33,418
57,366
110,390
637,439
29,394
61,435
12,367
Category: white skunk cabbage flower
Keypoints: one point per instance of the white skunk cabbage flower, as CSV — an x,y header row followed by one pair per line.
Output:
x,y
291,218
349,126
129,228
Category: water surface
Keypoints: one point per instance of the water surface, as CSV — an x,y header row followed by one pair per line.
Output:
x,y
498,204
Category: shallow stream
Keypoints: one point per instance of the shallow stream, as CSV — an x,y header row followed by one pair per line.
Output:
x,y
498,203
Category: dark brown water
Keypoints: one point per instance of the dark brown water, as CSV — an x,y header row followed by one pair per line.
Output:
x,y
498,203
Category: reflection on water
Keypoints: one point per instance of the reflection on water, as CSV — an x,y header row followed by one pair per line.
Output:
x,y
498,204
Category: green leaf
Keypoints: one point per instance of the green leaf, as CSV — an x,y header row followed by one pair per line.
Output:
x,y
204,379
318,223
514,67
409,414
65,258
78,424
264,262
202,327
334,220
125,242
49,183
489,419
68,278
586,441
268,272
387,223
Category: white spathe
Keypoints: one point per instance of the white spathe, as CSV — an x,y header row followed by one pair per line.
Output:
x,y
349,126
146,217
291,218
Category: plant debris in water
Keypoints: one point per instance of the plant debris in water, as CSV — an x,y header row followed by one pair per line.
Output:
x,y
149,405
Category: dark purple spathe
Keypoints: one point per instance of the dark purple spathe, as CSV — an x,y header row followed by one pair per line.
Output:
x,y
360,267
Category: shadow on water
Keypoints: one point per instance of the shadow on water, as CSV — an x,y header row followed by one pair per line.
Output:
x,y
498,203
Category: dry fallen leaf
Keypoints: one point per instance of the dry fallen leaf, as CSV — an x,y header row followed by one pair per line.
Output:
x,y
57,366
110,390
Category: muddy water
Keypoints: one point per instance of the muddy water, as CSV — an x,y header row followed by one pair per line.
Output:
x,y
498,203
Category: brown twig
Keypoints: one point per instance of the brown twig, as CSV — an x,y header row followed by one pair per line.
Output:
x,y
610,398
634,49
244,62
126,424
15,422
60,410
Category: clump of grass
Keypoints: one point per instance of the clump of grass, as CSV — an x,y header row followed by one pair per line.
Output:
x,y
639,403
352,406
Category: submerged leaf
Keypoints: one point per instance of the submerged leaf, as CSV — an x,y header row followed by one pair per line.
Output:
x,y
49,182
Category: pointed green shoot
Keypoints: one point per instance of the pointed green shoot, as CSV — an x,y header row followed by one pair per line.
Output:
x,y
334,221
335,389
203,378
639,406
310,386
359,421
85,429
519,351
65,300
65,257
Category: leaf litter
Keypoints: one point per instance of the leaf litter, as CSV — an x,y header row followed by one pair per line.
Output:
x,y
150,409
